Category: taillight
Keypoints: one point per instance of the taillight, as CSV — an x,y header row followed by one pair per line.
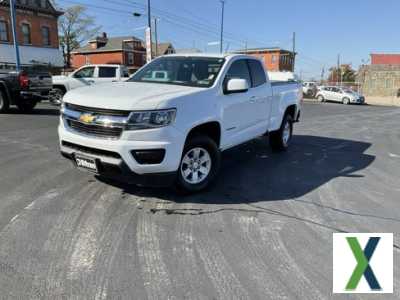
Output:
x,y
23,80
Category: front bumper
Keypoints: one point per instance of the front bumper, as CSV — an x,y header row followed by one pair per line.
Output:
x,y
115,158
360,100
121,172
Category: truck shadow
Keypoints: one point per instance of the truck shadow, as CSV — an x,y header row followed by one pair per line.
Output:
x,y
254,173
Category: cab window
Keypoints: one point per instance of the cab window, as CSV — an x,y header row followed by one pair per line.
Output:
x,y
239,70
257,73
85,73
107,72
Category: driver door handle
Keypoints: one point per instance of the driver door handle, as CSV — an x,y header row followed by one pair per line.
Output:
x,y
253,99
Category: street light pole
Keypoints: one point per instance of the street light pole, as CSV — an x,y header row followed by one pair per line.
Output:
x,y
148,34
14,31
155,36
222,27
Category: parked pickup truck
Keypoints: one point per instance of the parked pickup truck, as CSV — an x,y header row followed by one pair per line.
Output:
x,y
87,75
173,130
24,89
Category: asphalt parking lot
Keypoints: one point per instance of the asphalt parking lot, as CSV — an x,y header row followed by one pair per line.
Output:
x,y
263,232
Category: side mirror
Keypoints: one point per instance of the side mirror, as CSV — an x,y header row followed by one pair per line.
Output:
x,y
236,85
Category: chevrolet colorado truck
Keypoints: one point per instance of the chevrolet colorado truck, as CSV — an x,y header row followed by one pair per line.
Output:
x,y
170,130
85,76
24,89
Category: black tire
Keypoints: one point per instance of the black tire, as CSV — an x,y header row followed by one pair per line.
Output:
x,y
276,138
321,98
205,143
26,106
4,103
57,95
346,100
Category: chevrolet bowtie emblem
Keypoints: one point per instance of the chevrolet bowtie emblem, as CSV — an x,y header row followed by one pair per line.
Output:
x,y
87,118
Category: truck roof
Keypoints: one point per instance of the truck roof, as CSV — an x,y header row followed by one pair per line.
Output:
x,y
212,55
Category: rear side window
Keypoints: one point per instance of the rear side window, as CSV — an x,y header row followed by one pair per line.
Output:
x,y
257,73
107,72
239,70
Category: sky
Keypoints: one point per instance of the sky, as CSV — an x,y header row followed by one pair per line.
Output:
x,y
324,29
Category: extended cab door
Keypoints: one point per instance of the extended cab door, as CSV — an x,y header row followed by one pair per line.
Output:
x,y
242,111
260,97
82,77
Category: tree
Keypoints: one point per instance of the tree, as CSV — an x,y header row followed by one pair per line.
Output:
x,y
345,74
75,28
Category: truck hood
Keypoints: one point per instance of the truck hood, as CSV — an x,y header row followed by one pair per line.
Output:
x,y
127,95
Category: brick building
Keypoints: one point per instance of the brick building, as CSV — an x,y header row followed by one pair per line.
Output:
x,y
385,59
382,77
126,50
37,33
275,59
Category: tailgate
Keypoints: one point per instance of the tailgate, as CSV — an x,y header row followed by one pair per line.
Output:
x,y
40,81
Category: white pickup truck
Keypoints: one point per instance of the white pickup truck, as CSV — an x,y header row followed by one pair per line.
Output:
x,y
85,76
172,130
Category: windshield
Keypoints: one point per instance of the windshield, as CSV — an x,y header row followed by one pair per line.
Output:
x,y
189,71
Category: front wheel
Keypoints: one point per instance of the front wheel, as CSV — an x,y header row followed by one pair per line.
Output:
x,y
57,96
199,165
321,98
280,139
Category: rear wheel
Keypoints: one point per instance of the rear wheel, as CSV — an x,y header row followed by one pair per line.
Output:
x,y
26,106
199,164
4,104
280,139
346,100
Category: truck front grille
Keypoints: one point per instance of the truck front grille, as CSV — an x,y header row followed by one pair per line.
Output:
x,y
96,122
95,130
99,111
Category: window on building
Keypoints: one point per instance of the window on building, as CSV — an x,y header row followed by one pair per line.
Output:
x,y
23,2
46,36
389,83
107,72
274,58
257,73
43,3
131,58
26,33
3,31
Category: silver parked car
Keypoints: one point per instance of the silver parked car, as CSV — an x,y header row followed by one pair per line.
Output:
x,y
338,94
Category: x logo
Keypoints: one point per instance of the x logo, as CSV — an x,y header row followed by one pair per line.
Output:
x,y
363,268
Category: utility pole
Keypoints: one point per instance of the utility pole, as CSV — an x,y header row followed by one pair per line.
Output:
x,y
14,31
222,27
155,35
338,69
294,50
149,52
322,74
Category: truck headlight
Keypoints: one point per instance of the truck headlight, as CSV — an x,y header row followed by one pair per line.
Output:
x,y
151,119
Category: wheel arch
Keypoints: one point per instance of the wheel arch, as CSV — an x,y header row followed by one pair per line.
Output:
x,y
60,86
211,129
